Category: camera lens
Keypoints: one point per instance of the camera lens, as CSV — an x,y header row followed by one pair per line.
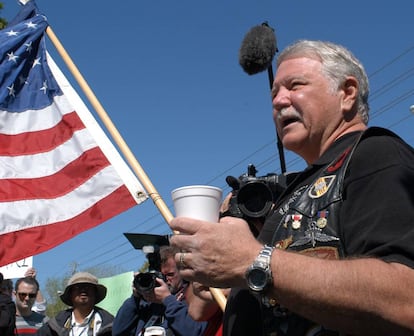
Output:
x,y
144,281
255,199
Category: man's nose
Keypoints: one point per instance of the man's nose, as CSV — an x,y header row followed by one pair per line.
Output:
x,y
281,99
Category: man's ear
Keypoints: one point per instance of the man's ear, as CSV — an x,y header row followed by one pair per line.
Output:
x,y
350,94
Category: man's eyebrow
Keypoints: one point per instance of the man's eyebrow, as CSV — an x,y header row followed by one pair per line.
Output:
x,y
286,80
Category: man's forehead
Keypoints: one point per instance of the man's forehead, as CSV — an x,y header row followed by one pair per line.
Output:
x,y
169,264
300,67
291,63
26,285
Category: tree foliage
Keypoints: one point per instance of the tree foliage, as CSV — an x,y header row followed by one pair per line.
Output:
x,y
3,21
55,287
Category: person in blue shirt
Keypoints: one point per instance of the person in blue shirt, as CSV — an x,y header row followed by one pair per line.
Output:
x,y
164,305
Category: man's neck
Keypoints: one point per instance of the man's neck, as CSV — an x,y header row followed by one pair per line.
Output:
x,y
23,311
81,313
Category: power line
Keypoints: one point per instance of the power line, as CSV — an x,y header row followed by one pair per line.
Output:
x,y
293,161
386,65
393,103
405,75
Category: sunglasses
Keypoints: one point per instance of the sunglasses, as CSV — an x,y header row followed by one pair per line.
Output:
x,y
22,296
83,287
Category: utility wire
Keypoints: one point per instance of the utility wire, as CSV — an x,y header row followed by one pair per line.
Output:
x,y
108,246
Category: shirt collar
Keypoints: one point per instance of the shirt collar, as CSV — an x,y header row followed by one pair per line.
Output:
x,y
85,321
335,149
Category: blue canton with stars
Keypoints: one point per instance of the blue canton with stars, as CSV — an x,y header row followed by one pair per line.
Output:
x,y
26,81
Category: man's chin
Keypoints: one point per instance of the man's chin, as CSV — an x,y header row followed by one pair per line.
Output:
x,y
84,300
292,143
293,139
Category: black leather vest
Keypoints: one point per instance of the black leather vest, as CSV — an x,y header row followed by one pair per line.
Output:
x,y
310,216
310,225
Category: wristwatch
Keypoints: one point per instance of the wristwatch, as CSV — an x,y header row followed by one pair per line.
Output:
x,y
259,274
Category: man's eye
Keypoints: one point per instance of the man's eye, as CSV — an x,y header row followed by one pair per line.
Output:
x,y
295,85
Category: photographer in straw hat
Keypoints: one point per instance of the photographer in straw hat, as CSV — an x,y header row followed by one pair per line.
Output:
x,y
84,318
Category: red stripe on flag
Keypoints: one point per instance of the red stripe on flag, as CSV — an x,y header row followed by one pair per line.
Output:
x,y
40,141
18,245
64,181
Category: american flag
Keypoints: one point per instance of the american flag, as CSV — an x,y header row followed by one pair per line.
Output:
x,y
59,173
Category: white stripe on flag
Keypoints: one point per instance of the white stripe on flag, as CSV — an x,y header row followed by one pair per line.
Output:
x,y
45,164
100,137
20,215
29,121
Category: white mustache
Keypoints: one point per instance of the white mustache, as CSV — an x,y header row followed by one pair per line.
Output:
x,y
287,114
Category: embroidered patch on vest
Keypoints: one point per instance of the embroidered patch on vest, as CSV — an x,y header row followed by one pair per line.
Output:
x,y
321,186
284,244
312,236
339,162
322,252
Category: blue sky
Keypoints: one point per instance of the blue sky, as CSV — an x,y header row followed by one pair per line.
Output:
x,y
167,74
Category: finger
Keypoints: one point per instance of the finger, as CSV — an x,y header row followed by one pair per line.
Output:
x,y
180,259
225,205
229,220
187,274
184,242
159,280
185,225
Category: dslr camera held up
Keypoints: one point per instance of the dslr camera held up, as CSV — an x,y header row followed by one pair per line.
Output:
x,y
253,196
150,245
145,282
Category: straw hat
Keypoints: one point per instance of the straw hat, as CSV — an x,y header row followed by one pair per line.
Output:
x,y
83,278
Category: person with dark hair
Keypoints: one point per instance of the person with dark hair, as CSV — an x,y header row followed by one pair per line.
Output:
x,y
335,255
7,308
27,321
39,305
84,318
6,286
164,305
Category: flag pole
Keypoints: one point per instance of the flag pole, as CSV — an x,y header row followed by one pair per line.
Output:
x,y
142,176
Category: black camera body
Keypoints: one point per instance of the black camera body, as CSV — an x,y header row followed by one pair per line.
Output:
x,y
145,282
253,196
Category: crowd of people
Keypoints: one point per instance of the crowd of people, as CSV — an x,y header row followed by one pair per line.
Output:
x,y
163,305
334,255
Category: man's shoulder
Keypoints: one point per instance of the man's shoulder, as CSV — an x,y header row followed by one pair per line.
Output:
x,y
64,313
33,317
383,154
39,318
61,317
105,315
379,145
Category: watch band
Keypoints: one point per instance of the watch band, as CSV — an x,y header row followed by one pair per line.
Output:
x,y
265,255
259,274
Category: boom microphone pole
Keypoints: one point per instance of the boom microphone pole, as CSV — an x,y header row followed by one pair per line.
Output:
x,y
256,55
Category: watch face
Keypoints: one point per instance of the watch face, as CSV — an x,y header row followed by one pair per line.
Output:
x,y
257,279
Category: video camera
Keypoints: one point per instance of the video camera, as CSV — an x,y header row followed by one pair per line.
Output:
x,y
149,244
253,196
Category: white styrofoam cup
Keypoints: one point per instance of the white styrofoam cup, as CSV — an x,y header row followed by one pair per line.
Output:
x,y
197,201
